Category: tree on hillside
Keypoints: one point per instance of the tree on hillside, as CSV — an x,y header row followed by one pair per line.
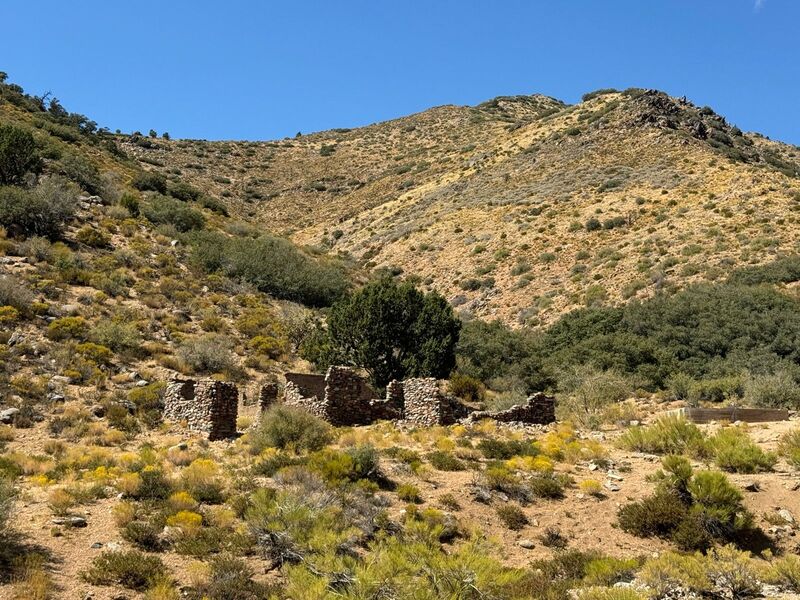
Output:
x,y
391,330
18,155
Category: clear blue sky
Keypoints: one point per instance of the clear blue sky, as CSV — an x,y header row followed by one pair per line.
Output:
x,y
239,69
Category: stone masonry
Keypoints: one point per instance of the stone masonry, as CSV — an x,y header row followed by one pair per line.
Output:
x,y
539,410
207,405
267,395
342,397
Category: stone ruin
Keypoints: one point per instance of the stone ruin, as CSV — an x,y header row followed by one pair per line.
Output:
x,y
540,409
342,397
207,405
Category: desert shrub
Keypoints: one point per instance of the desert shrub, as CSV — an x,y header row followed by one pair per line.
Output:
x,y
183,191
592,487
202,479
92,237
717,389
778,389
782,270
735,451
150,181
131,569
14,293
116,334
298,524
789,447
467,388
500,449
130,202
150,484
67,328
607,570
669,434
658,515
734,573
673,574
553,538
695,510
273,265
548,485
163,210
408,492
18,154
208,353
83,172
588,392
149,401
143,534
449,502
356,463
286,427
214,205
593,224
512,516
95,352
444,461
784,572
7,494
42,211
231,578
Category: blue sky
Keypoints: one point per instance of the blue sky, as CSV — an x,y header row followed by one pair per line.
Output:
x,y
261,70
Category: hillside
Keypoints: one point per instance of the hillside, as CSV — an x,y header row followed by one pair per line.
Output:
x,y
130,260
520,208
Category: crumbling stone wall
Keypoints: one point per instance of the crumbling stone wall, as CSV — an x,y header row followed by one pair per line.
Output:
x,y
267,395
209,406
425,404
540,409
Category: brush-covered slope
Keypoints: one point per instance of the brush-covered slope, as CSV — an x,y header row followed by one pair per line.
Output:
x,y
522,207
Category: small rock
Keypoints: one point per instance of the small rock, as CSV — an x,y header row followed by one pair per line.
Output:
x,y
7,415
592,467
752,486
97,545
634,423
55,397
614,476
792,486
70,521
786,515
173,243
611,486
527,544
141,383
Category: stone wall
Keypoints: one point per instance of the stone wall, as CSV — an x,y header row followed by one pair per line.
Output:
x,y
425,404
267,395
538,410
208,406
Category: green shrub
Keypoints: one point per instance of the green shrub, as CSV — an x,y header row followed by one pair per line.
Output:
x,y
466,387
354,464
92,237
656,515
64,328
183,191
444,461
734,451
83,172
286,427
42,211
548,485
7,495
669,434
208,353
499,449
778,389
15,293
143,534
512,516
130,202
785,572
789,447
18,154
231,578
163,210
95,352
408,493
131,569
273,265
150,181
116,334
